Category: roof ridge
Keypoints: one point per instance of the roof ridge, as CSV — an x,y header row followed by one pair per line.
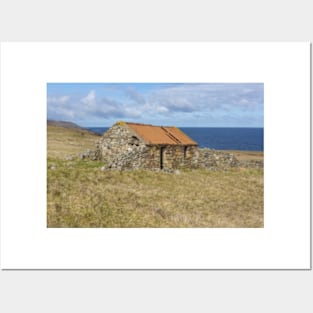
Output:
x,y
142,124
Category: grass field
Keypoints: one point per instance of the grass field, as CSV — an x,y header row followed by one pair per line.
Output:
x,y
79,194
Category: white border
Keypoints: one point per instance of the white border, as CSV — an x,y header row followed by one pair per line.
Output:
x,y
284,243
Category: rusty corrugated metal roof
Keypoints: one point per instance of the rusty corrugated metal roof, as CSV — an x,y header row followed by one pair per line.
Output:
x,y
159,135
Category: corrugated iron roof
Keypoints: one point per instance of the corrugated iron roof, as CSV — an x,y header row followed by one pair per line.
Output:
x,y
159,135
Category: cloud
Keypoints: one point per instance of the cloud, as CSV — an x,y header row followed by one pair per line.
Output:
x,y
59,108
60,112
58,99
108,108
90,107
209,97
90,99
135,96
190,102
161,109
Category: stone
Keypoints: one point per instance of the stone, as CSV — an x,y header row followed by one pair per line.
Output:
x,y
68,158
89,154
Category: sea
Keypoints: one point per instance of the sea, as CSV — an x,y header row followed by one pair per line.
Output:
x,y
219,138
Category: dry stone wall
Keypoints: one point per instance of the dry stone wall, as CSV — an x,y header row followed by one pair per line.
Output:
x,y
118,141
120,148
252,164
216,159
179,156
149,157
133,159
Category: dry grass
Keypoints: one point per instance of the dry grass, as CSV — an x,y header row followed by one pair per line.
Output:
x,y
68,141
81,195
247,155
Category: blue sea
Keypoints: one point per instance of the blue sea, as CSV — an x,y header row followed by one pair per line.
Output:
x,y
249,139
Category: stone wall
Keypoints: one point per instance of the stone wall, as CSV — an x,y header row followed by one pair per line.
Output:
x,y
149,157
216,159
133,159
179,156
252,164
220,160
118,141
175,157
120,148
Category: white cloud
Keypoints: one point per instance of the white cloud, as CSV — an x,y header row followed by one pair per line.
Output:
x,y
58,99
212,97
90,99
162,109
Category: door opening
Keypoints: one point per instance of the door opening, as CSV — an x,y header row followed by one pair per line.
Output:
x,y
161,157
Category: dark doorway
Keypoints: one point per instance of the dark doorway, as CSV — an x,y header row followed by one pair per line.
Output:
x,y
161,157
185,152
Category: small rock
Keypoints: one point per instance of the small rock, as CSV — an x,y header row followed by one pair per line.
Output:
x,y
68,158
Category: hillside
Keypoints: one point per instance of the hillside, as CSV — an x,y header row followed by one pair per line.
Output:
x,y
64,139
63,124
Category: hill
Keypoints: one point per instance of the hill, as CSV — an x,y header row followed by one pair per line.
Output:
x,y
63,124
65,138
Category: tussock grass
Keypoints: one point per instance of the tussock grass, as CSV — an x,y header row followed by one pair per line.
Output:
x,y
79,194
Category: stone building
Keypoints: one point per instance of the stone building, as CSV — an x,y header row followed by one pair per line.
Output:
x,y
132,145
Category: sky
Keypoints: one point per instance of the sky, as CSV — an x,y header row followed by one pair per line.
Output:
x,y
166,104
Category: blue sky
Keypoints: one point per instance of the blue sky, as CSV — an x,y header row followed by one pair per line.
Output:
x,y
179,104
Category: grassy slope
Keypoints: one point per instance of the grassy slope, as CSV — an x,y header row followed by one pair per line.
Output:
x,y
63,141
79,194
